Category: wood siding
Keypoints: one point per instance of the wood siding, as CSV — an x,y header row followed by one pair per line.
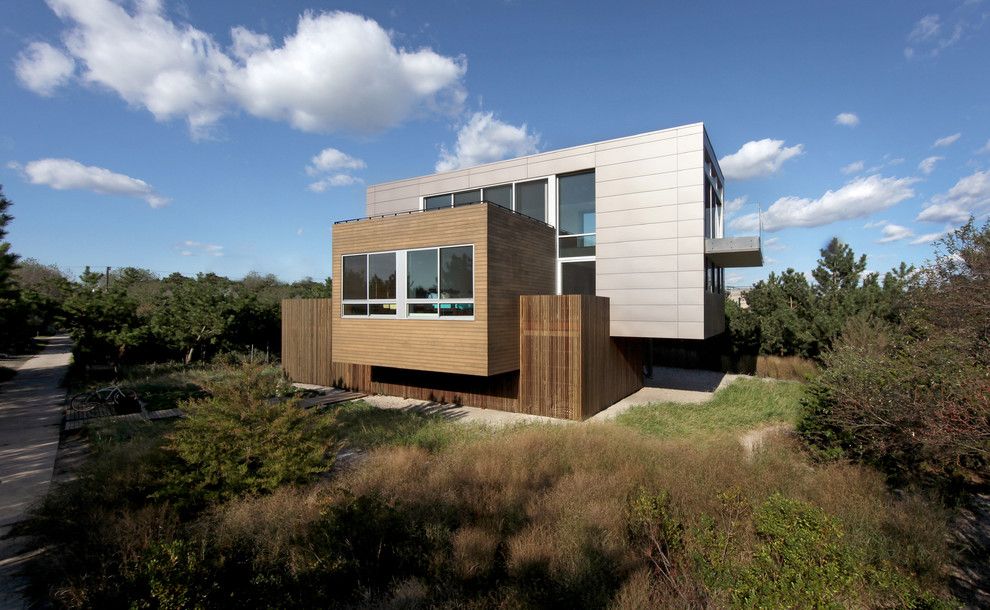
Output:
x,y
522,261
307,341
518,251
569,365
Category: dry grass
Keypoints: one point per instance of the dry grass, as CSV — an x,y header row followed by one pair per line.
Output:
x,y
789,368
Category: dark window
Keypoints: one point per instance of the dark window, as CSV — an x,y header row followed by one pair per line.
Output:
x,y
577,277
439,201
421,273
466,197
499,195
583,245
381,281
576,194
451,310
531,199
356,277
456,272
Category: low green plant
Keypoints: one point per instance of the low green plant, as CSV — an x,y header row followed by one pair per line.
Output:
x,y
364,426
244,439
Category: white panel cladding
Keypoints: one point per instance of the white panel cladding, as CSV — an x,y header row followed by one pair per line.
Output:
x,y
650,209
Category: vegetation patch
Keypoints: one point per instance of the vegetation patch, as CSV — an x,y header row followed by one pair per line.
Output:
x,y
744,404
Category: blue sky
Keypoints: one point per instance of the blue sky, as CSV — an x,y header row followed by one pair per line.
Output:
x,y
187,136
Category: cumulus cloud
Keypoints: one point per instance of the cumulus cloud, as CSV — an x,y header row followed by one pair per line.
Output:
x,y
483,139
970,195
858,198
853,168
330,159
892,232
337,163
947,140
734,205
67,174
847,119
758,158
927,165
337,71
331,181
42,68
195,248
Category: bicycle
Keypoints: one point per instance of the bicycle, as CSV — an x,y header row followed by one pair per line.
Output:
x,y
112,396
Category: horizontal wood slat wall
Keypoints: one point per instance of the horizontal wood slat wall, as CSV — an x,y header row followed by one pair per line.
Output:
x,y
569,365
307,340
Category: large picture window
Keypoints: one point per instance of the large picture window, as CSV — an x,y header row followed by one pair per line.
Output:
x,y
422,283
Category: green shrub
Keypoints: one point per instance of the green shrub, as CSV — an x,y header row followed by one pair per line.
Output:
x,y
242,439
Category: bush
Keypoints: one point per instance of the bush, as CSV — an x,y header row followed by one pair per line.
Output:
x,y
245,439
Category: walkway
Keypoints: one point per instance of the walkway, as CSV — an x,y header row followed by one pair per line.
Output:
x,y
30,422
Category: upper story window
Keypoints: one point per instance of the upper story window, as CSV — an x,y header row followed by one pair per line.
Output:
x,y
420,283
529,198
576,214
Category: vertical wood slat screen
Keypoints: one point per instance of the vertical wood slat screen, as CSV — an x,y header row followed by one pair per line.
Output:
x,y
307,342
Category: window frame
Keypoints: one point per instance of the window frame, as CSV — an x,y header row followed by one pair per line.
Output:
x,y
513,204
402,300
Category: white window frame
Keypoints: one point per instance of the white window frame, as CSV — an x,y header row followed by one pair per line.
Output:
x,y
402,300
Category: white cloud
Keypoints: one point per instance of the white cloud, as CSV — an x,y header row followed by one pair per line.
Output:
x,y
927,165
984,149
734,205
335,180
947,140
330,159
299,231
970,195
927,238
341,71
858,198
773,243
927,28
758,158
876,223
42,68
66,174
337,71
892,232
853,168
847,119
484,139
195,248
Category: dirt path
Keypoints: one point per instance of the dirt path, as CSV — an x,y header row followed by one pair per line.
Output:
x,y
30,423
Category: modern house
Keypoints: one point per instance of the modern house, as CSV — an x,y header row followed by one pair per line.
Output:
x,y
455,286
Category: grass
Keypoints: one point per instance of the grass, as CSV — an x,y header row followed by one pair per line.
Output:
x,y
363,426
743,405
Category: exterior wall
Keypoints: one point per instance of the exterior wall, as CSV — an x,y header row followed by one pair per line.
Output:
x,y
307,341
650,257
522,262
570,367
513,255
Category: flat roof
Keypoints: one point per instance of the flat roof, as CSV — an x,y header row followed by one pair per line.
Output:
x,y
392,183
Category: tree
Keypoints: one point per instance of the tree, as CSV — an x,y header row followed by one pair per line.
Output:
x,y
193,313
837,278
9,306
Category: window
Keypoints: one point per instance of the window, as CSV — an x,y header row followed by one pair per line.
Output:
x,y
436,202
576,216
466,197
422,283
499,195
531,199
369,285
577,277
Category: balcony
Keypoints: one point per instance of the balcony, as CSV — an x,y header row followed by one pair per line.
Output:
x,y
734,251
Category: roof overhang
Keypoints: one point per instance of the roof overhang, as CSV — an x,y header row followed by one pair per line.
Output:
x,y
734,251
